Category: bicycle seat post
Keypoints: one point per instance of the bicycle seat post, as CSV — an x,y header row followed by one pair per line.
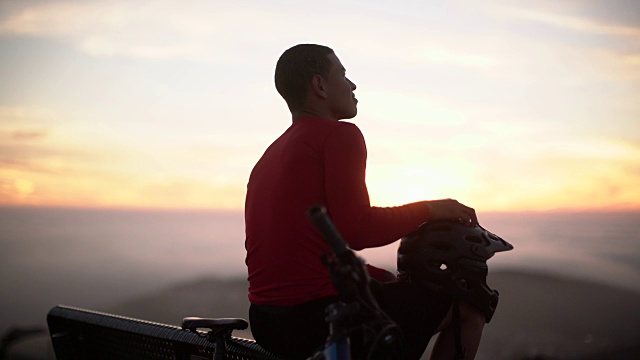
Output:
x,y
219,331
221,344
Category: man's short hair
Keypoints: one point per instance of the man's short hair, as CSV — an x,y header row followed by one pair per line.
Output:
x,y
295,69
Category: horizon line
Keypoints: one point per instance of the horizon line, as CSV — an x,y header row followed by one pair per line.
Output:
x,y
141,208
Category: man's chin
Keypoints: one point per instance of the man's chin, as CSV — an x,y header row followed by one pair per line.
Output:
x,y
352,114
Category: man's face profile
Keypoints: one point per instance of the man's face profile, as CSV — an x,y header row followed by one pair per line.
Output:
x,y
341,99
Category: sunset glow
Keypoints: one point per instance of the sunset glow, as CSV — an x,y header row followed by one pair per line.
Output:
x,y
503,105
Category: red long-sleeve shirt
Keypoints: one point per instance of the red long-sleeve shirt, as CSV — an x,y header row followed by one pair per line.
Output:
x,y
315,161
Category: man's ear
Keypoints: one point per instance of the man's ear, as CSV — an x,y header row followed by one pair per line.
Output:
x,y
318,86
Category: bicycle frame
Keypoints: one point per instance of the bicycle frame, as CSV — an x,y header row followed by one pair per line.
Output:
x,y
351,280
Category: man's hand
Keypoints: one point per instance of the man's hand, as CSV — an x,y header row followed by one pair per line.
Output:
x,y
449,209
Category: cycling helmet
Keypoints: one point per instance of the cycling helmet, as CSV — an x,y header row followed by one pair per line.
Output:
x,y
449,257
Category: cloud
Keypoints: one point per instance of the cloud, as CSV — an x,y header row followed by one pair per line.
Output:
x,y
54,19
459,57
29,135
46,161
563,173
25,135
150,30
232,32
581,24
24,115
201,31
633,60
175,192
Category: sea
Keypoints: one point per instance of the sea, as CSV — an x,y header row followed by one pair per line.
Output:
x,y
94,258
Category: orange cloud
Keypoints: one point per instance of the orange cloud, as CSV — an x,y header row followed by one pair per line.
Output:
x,y
29,135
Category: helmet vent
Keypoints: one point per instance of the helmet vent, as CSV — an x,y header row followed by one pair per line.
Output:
x,y
438,265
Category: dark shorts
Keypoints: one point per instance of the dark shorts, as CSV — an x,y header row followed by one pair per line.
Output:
x,y
296,332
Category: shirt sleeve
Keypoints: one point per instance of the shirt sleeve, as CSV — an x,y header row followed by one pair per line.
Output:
x,y
362,226
380,274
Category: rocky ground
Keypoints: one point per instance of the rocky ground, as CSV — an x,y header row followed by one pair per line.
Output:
x,y
539,317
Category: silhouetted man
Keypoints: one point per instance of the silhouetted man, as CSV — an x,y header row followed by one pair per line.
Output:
x,y
321,160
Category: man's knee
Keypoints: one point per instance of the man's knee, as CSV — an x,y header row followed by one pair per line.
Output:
x,y
469,314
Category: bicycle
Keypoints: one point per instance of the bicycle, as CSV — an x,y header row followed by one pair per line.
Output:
x,y
356,311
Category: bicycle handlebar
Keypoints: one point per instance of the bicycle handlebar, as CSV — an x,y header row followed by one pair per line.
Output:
x,y
351,280
320,218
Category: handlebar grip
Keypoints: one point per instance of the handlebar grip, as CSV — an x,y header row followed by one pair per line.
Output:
x,y
322,221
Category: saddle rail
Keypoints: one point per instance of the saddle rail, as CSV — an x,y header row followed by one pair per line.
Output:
x,y
86,334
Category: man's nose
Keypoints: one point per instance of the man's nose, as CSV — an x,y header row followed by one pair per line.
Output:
x,y
353,85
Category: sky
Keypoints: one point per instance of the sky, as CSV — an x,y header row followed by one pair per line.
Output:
x,y
504,105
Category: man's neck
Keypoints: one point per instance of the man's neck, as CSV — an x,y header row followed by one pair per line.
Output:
x,y
296,114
